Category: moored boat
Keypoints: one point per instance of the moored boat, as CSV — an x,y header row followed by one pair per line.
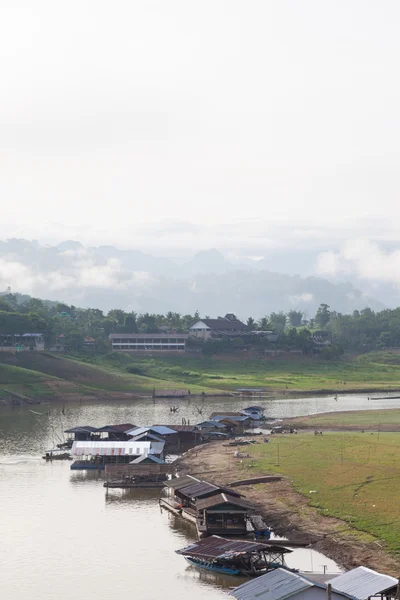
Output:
x,y
56,455
210,566
235,557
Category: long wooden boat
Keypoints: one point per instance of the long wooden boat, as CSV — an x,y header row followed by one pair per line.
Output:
x,y
210,566
234,557
51,455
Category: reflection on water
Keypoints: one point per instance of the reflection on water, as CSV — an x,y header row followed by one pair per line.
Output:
x,y
62,531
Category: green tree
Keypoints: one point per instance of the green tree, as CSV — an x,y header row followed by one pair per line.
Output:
x,y
263,324
251,324
322,316
278,321
295,317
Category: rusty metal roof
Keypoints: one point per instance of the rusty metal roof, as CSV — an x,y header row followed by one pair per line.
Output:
x,y
223,498
218,547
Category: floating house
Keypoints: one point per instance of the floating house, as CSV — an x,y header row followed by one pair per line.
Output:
x,y
235,557
213,509
281,584
140,475
82,433
234,422
186,435
208,426
223,513
115,433
256,413
187,490
363,583
96,454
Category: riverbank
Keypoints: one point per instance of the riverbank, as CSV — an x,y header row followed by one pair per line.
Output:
x,y
350,508
41,376
351,420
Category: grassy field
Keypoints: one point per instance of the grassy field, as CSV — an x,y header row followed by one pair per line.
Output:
x,y
297,373
353,418
352,476
118,372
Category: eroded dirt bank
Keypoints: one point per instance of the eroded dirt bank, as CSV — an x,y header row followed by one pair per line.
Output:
x,y
287,512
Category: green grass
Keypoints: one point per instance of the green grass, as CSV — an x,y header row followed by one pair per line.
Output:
x,y
357,418
119,372
352,476
298,373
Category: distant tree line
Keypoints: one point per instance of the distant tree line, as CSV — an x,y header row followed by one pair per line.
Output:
x,y
363,330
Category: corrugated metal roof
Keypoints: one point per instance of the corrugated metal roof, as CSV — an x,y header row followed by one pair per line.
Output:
x,y
275,585
116,448
151,457
211,424
180,482
81,429
184,428
239,418
219,547
362,583
121,428
198,489
223,498
147,434
157,429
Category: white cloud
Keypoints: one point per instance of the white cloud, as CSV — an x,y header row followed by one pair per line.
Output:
x,y
306,297
76,276
361,258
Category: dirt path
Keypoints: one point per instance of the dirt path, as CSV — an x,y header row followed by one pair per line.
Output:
x,y
288,513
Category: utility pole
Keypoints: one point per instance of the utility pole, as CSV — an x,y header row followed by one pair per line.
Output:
x,y
341,448
329,591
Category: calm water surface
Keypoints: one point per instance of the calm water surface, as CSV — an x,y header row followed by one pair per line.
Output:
x,y
63,536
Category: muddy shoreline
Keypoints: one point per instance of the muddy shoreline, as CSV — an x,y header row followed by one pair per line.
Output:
x,y
288,513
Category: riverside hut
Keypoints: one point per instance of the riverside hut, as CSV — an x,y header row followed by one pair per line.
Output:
x,y
115,433
223,513
96,454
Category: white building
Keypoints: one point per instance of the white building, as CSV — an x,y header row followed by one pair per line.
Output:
x,y
223,326
148,342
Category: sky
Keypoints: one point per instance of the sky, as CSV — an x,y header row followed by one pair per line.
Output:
x,y
185,124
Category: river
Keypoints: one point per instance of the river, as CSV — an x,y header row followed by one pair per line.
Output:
x,y
63,536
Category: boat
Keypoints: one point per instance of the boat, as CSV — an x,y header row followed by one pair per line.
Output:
x,y
234,557
56,454
210,566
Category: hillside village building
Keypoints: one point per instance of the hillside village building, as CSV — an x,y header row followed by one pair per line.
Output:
x,y
223,326
147,342
17,342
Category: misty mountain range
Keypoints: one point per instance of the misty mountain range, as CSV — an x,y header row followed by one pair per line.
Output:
x,y
107,277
